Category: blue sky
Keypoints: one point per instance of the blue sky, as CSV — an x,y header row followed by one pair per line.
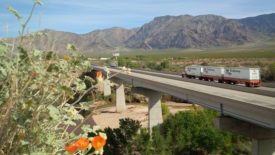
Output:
x,y
83,16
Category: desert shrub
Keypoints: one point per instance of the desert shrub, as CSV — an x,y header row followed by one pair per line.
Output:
x,y
204,64
159,67
121,61
164,65
190,132
165,109
151,65
270,75
143,142
193,132
120,139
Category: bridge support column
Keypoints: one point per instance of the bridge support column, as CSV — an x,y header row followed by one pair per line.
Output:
x,y
120,98
107,88
154,106
100,86
263,138
263,146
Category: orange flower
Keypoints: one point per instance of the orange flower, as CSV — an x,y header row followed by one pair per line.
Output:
x,y
72,148
98,142
82,143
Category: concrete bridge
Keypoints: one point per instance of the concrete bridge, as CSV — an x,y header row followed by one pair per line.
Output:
x,y
242,112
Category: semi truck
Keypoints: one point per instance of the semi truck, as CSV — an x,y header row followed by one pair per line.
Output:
x,y
231,75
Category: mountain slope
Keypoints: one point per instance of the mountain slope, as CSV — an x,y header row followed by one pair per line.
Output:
x,y
183,31
189,32
262,24
100,39
108,38
53,40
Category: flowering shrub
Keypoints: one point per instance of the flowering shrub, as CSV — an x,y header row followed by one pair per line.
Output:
x,y
41,96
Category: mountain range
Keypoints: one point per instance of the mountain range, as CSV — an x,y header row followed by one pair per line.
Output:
x,y
164,32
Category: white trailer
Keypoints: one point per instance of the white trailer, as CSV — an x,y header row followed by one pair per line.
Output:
x,y
248,76
193,71
213,73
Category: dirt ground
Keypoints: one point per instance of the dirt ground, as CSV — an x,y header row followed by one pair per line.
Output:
x,y
108,117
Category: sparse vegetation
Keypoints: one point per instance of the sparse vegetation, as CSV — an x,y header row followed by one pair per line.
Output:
x,y
175,61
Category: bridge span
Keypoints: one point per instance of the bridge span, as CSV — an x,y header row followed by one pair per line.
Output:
x,y
246,113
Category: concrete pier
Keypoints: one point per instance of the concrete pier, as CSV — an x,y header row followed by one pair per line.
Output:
x,y
120,98
263,146
107,88
263,142
154,106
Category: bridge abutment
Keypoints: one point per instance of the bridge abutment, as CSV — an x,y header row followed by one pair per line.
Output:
x,y
120,98
154,106
263,142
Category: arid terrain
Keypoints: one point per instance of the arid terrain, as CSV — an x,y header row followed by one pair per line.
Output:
x,y
106,116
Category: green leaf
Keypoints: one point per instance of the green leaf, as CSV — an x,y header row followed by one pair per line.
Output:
x,y
70,122
54,112
39,153
3,49
37,53
14,12
3,71
24,142
80,85
84,106
87,128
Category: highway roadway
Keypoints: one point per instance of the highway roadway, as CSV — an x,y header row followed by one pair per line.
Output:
x,y
267,91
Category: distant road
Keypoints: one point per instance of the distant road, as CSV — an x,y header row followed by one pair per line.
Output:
x,y
267,91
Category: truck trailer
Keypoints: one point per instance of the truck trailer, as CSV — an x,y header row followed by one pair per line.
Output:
x,y
230,75
238,75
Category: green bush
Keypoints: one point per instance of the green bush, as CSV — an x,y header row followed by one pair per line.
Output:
x,y
121,61
165,109
190,132
193,132
271,72
164,64
120,139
